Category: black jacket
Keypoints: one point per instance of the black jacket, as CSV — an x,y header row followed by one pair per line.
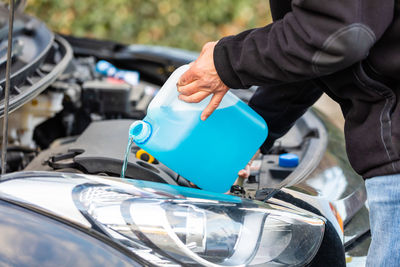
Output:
x,y
349,49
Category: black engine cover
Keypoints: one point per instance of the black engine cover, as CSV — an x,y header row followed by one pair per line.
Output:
x,y
101,149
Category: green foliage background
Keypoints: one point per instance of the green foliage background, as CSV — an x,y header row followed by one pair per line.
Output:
x,y
178,23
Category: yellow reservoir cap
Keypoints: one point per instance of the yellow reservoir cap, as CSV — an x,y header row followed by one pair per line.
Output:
x,y
143,155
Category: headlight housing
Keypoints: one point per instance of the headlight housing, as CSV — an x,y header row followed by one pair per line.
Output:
x,y
193,228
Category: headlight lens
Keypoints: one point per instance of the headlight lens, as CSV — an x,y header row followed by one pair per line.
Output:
x,y
193,231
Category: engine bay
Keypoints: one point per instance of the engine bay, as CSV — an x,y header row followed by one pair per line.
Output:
x,y
80,124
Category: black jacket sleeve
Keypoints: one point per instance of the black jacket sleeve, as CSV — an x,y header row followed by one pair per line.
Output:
x,y
281,105
316,38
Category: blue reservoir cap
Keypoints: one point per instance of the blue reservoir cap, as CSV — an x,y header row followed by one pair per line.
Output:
x,y
105,68
288,160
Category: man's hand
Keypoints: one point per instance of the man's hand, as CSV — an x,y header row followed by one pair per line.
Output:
x,y
202,80
245,173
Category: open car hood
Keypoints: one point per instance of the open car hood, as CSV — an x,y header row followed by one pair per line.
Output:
x,y
38,58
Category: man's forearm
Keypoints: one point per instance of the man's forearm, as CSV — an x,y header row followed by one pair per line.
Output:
x,y
316,38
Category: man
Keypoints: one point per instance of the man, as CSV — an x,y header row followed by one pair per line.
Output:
x,y
349,49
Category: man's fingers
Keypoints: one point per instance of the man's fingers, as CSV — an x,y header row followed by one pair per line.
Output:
x,y
242,174
189,89
245,173
194,98
213,105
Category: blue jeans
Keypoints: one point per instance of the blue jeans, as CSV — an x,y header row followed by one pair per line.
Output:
x,y
384,204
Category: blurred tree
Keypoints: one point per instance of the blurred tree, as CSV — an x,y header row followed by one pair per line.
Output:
x,y
178,23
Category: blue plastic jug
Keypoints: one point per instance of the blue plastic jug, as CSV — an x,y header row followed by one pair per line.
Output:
x,y
208,153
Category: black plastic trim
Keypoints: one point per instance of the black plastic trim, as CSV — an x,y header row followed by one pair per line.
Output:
x,y
41,35
44,79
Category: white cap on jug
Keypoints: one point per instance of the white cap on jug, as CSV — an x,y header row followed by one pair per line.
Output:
x,y
140,131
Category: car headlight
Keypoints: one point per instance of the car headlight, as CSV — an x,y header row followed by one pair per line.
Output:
x,y
167,229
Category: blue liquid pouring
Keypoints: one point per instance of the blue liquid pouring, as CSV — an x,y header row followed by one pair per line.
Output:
x,y
208,153
126,158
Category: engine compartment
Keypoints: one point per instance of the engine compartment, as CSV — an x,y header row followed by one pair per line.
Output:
x,y
100,150
80,123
